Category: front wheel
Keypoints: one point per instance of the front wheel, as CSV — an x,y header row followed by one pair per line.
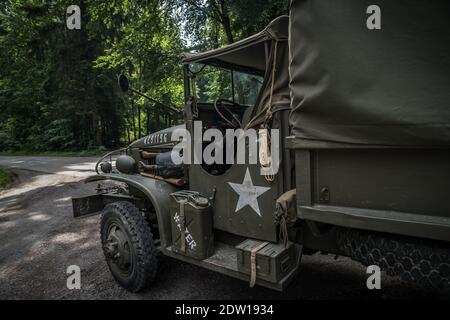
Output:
x,y
128,246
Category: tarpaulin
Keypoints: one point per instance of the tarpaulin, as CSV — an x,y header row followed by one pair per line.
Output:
x,y
353,85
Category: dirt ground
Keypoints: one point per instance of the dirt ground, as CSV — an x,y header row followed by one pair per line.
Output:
x,y
39,239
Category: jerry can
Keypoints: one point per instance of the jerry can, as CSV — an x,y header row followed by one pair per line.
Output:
x,y
192,225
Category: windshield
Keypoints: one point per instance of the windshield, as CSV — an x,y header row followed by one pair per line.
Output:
x,y
211,83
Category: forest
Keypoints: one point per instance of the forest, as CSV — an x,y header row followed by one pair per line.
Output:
x,y
58,87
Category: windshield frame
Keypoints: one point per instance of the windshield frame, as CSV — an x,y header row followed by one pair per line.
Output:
x,y
189,78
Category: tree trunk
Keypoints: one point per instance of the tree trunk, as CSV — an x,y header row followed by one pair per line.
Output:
x,y
97,128
148,121
133,116
141,67
225,20
128,133
157,118
139,121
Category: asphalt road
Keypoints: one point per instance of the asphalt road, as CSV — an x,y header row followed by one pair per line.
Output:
x,y
39,239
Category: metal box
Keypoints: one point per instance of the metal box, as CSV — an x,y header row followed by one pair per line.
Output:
x,y
192,224
273,262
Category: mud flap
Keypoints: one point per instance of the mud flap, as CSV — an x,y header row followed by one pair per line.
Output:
x,y
87,205
95,203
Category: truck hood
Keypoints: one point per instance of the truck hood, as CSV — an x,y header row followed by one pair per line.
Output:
x,y
159,139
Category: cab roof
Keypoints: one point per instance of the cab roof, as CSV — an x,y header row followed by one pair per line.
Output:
x,y
248,54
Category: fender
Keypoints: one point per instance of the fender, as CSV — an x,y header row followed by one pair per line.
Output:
x,y
158,192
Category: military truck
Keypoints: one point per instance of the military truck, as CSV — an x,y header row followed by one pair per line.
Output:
x,y
363,117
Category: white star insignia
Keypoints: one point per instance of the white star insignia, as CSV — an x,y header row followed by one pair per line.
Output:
x,y
248,193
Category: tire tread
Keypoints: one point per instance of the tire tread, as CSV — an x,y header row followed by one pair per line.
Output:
x,y
420,261
142,240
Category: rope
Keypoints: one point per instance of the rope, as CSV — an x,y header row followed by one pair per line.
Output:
x,y
268,115
274,64
270,176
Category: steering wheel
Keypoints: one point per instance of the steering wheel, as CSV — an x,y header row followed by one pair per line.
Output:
x,y
231,116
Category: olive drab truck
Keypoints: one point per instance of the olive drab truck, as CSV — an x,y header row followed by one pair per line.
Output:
x,y
361,118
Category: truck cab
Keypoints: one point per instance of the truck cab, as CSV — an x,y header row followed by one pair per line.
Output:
x,y
210,214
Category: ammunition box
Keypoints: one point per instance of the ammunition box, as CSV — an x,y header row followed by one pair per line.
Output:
x,y
192,225
273,262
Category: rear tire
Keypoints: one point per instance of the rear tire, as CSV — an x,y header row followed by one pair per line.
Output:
x,y
128,246
419,261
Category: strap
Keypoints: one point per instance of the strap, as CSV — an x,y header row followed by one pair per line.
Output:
x,y
253,262
286,213
183,226
265,114
274,70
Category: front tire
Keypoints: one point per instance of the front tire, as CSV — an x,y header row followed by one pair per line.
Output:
x,y
128,246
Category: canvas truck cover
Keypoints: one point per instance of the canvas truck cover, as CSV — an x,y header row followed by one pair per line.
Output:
x,y
353,85
248,53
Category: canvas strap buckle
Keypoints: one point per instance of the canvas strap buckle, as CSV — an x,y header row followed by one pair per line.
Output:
x,y
253,262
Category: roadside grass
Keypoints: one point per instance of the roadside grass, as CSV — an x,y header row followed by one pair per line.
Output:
x,y
84,153
5,178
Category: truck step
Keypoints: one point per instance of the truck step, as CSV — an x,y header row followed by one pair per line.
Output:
x,y
224,260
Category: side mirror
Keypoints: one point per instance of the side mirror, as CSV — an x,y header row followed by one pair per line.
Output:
x,y
124,84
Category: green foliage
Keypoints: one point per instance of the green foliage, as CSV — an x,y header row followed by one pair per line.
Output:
x,y
214,23
212,83
58,87
5,178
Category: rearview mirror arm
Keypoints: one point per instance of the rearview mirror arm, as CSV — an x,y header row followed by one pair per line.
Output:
x,y
155,101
